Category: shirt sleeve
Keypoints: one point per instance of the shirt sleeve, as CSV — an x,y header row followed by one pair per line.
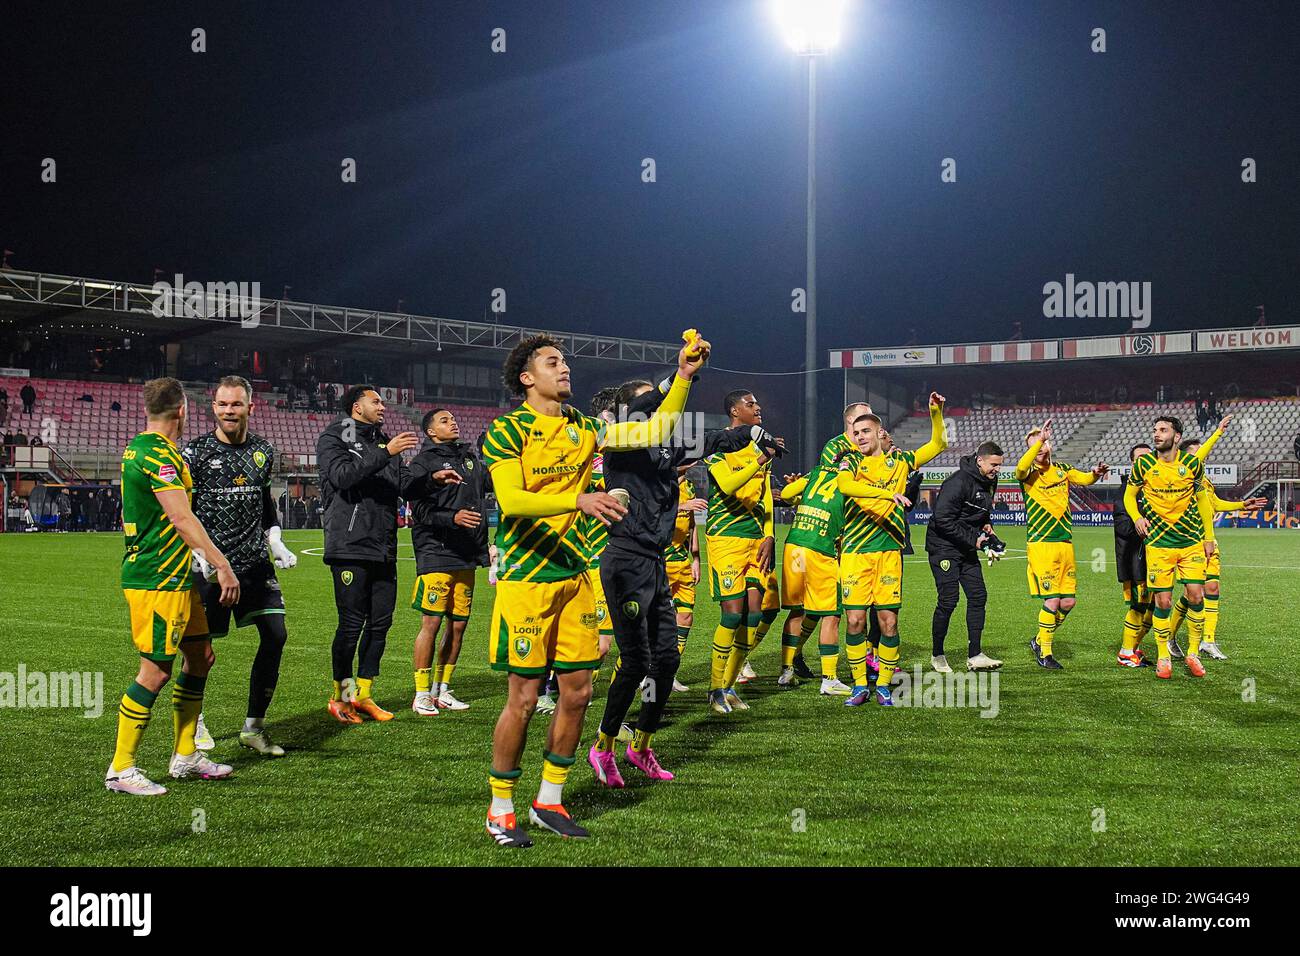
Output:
x,y
624,436
1077,477
163,468
1026,462
937,443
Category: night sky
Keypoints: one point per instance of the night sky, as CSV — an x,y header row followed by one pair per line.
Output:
x,y
522,170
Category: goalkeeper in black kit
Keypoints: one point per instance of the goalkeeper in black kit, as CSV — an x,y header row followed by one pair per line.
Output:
x,y
231,469
959,531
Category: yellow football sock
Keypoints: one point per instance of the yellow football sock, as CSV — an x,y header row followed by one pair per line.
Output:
x,y
447,671
887,656
724,638
1160,624
364,686
338,691
133,715
855,649
1195,628
1132,627
806,629
830,659
423,677
1211,618
503,789
1046,628
789,643
683,633
1177,614
641,741
605,742
739,653
555,771
1146,622
187,703
759,631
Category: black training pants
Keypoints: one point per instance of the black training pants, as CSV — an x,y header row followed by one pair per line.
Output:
x,y
950,573
645,629
365,593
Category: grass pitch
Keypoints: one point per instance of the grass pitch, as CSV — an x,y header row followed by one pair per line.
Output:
x,y
1092,765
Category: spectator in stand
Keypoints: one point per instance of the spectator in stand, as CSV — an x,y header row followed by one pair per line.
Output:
x,y
36,441
20,438
1212,413
28,395
9,438
90,511
1202,416
4,404
64,505
116,406
29,521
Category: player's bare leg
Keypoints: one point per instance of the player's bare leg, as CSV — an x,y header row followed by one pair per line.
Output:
x,y
508,740
740,649
123,776
562,737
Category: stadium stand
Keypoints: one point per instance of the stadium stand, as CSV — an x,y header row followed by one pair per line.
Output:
x,y
73,426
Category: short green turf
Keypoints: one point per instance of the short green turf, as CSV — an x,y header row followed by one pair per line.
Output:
x,y
1092,765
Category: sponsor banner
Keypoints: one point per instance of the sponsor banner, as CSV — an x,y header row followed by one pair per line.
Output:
x,y
1082,519
1041,350
1245,340
1124,346
884,358
1256,519
1218,475
16,372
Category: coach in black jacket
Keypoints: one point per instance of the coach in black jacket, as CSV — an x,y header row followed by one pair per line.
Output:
x,y
361,475
958,528
449,532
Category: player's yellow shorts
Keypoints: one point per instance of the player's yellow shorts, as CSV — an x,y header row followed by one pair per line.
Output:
x,y
733,567
682,584
873,579
1051,570
1136,593
1167,566
1212,565
603,624
444,592
809,580
537,625
161,620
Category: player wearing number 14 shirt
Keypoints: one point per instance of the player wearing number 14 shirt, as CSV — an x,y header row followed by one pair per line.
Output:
x,y
231,469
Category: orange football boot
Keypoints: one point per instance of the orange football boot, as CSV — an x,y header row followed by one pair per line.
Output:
x,y
1164,668
344,712
1194,666
367,707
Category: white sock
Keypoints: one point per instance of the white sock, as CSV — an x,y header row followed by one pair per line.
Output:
x,y
439,689
550,793
254,723
502,805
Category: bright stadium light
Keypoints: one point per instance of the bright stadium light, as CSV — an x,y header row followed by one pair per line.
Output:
x,y
809,26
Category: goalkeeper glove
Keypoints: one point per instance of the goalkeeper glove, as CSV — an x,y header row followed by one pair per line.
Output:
x,y
201,566
284,558
766,442
994,548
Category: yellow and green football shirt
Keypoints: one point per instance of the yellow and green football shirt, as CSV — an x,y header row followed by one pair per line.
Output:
x,y
679,549
743,513
1168,498
1046,491
837,446
555,452
595,533
876,524
819,518
156,558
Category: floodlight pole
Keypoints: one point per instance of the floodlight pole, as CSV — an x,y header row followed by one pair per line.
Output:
x,y
810,451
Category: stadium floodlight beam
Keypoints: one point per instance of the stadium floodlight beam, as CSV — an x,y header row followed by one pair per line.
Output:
x,y
811,27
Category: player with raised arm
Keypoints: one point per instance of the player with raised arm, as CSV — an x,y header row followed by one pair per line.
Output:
x,y
1045,485
1213,570
231,469
161,535
875,531
742,552
540,457
1172,516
